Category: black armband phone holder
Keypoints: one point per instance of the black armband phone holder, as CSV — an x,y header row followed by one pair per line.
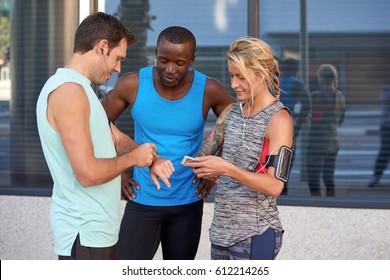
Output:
x,y
281,162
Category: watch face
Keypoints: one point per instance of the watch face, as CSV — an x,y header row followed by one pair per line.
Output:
x,y
284,161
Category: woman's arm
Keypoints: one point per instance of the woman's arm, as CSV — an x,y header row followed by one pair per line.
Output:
x,y
216,137
279,133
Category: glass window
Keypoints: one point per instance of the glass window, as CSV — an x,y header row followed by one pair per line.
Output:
x,y
352,161
347,126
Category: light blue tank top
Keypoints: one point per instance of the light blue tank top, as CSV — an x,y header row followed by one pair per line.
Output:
x,y
176,128
93,212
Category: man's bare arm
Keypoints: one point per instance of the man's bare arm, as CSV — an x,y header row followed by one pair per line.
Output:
x,y
123,143
68,113
121,96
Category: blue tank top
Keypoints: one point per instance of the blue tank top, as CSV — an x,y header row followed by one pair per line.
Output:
x,y
176,128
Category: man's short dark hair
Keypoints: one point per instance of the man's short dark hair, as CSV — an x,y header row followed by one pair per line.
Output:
x,y
178,35
99,26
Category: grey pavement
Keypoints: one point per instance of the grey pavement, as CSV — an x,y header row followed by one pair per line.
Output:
x,y
311,233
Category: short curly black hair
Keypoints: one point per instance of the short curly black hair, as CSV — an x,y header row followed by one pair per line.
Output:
x,y
178,35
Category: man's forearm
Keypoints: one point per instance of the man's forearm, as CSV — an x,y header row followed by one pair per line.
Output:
x,y
123,143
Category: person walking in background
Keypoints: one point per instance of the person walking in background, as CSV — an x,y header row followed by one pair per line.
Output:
x,y
84,151
384,152
294,95
169,104
256,137
328,109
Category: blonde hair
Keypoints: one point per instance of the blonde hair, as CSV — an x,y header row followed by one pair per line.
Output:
x,y
327,74
257,55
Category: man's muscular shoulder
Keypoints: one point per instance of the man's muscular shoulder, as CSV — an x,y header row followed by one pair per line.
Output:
x,y
216,96
128,80
213,84
127,85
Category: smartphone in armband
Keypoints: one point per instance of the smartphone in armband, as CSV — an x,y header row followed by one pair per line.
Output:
x,y
187,159
281,162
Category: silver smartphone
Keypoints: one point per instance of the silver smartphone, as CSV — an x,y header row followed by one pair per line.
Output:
x,y
187,159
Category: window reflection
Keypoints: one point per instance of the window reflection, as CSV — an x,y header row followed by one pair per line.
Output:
x,y
358,47
5,92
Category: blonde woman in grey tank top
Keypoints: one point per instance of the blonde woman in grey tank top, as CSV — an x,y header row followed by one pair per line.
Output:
x,y
246,222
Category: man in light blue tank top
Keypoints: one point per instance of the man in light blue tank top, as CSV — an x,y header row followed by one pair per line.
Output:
x,y
85,153
169,105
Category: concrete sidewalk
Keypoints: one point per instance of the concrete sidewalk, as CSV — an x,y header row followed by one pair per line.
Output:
x,y
25,230
311,233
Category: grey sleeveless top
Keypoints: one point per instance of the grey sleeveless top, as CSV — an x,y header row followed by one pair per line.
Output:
x,y
240,212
